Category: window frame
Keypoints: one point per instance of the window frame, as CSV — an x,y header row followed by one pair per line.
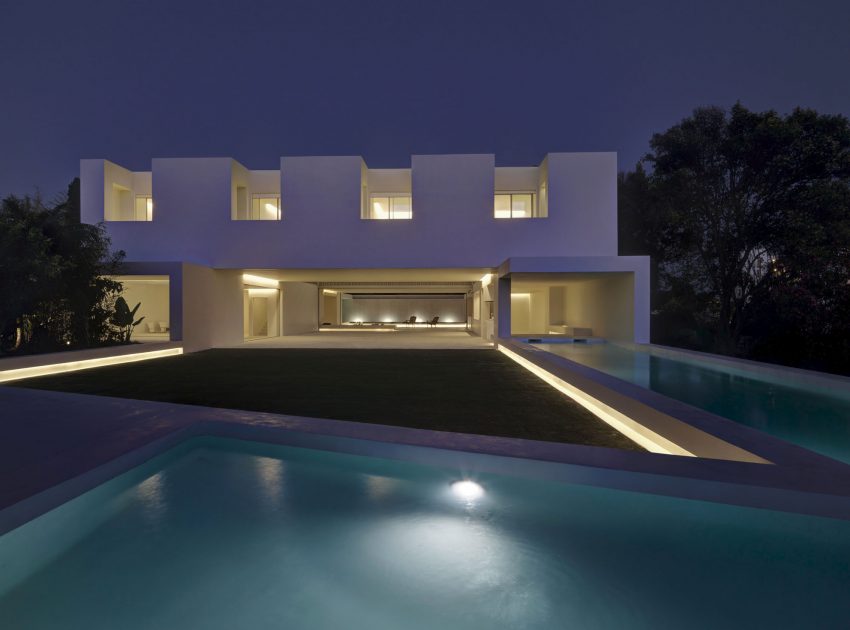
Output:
x,y
389,196
258,197
511,193
148,207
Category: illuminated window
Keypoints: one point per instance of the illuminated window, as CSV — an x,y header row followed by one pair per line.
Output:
x,y
387,206
123,205
264,207
144,208
514,206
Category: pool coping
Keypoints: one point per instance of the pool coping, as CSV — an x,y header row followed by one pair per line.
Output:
x,y
630,398
816,485
769,372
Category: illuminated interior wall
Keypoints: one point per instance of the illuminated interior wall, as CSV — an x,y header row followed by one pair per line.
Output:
x,y
529,311
329,308
151,293
390,310
603,302
300,308
481,308
120,189
386,184
245,184
260,312
524,180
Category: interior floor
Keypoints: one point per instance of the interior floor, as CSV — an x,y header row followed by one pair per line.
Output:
x,y
433,339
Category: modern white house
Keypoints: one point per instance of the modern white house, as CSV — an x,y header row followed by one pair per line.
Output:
x,y
217,253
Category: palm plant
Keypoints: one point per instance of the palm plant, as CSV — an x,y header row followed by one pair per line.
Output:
x,y
123,317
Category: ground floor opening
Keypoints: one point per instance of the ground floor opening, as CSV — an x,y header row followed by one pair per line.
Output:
x,y
204,307
151,294
573,305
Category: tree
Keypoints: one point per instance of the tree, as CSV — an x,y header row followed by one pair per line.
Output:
x,y
54,274
742,210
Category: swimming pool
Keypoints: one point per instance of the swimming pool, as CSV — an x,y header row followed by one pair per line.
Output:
x,y
808,416
228,534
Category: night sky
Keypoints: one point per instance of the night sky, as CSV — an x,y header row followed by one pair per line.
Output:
x,y
129,81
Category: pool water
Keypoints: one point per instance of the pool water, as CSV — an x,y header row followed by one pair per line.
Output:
x,y
240,535
807,416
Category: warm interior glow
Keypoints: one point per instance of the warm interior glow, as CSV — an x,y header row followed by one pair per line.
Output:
x,y
517,205
391,206
248,278
355,328
262,292
264,206
467,490
84,364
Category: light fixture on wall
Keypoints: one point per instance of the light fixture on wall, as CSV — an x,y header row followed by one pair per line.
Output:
x,y
486,278
248,278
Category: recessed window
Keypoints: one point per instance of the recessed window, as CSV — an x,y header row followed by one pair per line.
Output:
x,y
519,205
144,208
265,207
123,205
390,207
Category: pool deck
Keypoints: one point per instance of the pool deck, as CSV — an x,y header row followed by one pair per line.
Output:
x,y
55,445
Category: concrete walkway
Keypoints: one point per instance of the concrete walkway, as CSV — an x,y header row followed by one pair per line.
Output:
x,y
375,338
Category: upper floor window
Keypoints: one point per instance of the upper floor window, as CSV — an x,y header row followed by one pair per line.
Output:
x,y
144,208
123,205
265,207
519,205
390,206
260,206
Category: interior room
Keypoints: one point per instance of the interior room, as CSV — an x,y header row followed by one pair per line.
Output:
x,y
579,305
151,294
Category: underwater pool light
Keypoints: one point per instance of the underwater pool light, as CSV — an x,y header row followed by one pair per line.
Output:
x,y
467,490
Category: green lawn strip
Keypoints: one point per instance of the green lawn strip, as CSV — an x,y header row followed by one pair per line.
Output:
x,y
467,391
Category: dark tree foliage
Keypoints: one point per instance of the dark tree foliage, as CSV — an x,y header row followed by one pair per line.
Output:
x,y
747,218
53,289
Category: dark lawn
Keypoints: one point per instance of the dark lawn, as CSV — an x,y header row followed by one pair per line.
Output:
x,y
467,391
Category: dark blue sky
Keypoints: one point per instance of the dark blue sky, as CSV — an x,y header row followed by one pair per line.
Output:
x,y
256,80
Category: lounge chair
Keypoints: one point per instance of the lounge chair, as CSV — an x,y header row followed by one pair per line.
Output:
x,y
410,321
434,321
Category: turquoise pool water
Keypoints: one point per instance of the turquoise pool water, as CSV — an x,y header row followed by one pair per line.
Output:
x,y
810,417
234,535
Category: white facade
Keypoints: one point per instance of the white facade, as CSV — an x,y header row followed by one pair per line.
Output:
x,y
324,226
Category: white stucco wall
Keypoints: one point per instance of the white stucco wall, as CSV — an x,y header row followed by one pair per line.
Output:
x,y
452,225
212,307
